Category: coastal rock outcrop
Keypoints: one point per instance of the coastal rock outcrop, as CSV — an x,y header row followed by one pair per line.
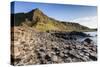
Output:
x,y
32,47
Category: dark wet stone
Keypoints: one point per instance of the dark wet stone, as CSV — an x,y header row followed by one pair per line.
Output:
x,y
48,58
88,40
93,56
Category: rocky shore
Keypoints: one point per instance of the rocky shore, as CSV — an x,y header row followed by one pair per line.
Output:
x,y
31,47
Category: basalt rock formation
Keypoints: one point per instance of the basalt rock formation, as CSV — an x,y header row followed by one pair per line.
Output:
x,y
31,47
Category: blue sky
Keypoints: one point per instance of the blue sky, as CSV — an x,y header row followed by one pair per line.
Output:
x,y
63,12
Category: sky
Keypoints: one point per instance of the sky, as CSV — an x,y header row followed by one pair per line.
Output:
x,y
85,15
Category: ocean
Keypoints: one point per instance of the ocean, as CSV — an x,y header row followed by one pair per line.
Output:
x,y
94,37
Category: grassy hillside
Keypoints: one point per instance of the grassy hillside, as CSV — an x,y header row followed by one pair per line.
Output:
x,y
37,19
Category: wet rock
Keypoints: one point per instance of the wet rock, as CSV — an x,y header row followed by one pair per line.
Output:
x,y
78,34
88,40
93,56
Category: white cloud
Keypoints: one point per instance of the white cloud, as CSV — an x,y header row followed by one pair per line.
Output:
x,y
87,21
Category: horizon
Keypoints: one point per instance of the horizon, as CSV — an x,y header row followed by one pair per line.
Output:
x,y
84,15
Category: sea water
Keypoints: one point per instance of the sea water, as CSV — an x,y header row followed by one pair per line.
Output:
x,y
93,37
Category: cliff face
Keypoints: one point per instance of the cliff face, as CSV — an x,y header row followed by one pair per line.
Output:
x,y
32,47
37,19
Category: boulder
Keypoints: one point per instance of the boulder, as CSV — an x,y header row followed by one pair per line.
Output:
x,y
88,40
